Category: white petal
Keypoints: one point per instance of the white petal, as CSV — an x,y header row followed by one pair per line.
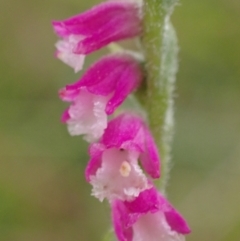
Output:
x,y
109,181
87,116
65,52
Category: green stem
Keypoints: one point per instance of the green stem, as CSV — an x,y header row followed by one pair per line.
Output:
x,y
160,50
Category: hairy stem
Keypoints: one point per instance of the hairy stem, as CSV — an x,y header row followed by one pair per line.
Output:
x,y
160,50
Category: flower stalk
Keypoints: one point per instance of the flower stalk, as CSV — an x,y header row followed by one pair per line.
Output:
x,y
160,49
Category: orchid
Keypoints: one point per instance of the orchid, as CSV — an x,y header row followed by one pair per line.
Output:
x,y
124,151
105,85
149,217
89,31
113,169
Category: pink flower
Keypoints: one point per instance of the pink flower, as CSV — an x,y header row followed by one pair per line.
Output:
x,y
113,169
98,93
84,33
150,217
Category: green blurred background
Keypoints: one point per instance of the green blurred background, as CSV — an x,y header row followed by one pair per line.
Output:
x,y
43,194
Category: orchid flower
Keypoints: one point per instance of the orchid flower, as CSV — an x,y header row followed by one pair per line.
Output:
x,y
89,31
149,217
114,170
98,93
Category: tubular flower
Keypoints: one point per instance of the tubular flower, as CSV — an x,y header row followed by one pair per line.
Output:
x,y
113,169
150,217
106,22
98,93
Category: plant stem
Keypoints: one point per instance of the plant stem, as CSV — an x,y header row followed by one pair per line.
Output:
x,y
160,49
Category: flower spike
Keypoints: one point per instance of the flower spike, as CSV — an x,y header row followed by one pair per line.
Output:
x,y
150,217
98,93
87,32
114,170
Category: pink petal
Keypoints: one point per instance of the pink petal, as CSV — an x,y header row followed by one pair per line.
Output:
x,y
150,158
147,201
177,222
175,219
116,75
106,22
122,130
95,152
120,219
128,81
65,116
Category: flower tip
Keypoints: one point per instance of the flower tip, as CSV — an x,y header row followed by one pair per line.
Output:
x,y
187,230
62,93
58,27
109,108
54,22
177,222
65,116
156,175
